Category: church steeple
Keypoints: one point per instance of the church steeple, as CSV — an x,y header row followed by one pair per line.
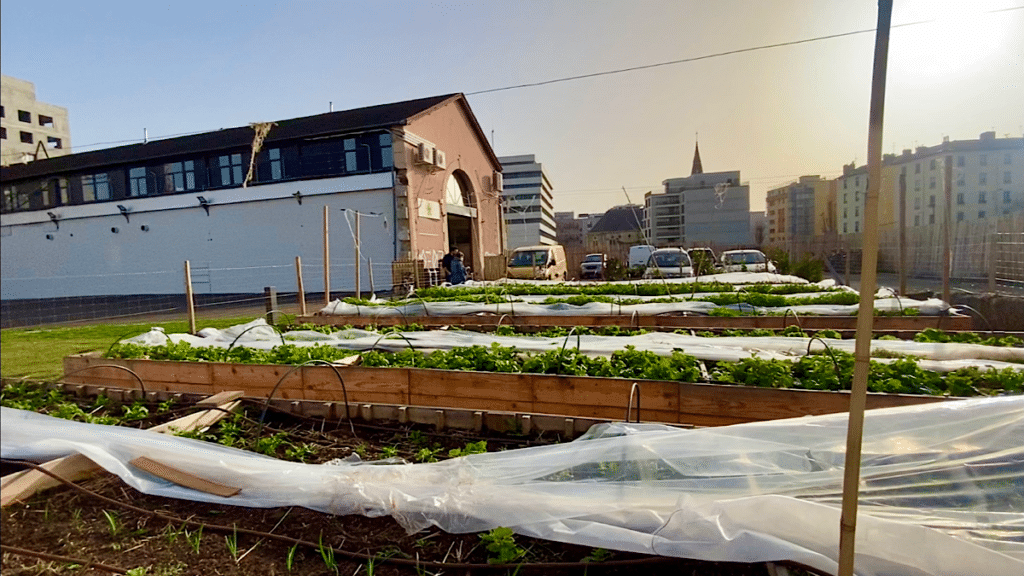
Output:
x,y
697,168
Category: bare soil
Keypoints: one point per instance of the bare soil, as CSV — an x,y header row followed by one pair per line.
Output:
x,y
73,524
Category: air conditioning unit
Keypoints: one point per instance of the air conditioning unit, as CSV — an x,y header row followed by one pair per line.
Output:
x,y
425,154
439,159
499,183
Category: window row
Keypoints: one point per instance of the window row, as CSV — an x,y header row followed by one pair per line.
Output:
x,y
514,175
341,156
52,142
26,117
961,199
961,161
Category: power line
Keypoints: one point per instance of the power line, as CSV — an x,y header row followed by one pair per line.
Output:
x,y
621,70
709,56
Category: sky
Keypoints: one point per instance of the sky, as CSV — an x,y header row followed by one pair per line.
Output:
x,y
955,69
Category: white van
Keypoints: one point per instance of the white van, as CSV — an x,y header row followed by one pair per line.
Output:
x,y
537,263
639,255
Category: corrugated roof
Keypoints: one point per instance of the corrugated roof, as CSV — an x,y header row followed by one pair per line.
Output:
x,y
359,119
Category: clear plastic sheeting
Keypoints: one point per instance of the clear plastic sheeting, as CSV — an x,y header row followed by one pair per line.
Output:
x,y
930,307
938,357
941,486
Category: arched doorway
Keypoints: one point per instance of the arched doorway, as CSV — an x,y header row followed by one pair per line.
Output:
x,y
460,212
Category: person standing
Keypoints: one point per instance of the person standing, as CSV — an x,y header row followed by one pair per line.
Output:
x,y
458,275
446,263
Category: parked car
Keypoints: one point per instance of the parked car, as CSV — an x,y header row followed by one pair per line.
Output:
x,y
669,263
704,261
537,262
746,261
594,266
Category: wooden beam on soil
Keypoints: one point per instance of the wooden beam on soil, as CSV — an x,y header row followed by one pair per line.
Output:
x,y
183,478
19,486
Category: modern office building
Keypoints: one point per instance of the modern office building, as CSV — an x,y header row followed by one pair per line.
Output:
x,y
121,221
30,129
528,202
705,209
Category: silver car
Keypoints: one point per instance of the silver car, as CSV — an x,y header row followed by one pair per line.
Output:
x,y
746,261
669,263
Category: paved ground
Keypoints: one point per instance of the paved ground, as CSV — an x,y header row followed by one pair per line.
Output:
x,y
919,285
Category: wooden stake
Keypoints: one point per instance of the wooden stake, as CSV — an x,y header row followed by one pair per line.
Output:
x,y
327,258
302,290
866,312
190,301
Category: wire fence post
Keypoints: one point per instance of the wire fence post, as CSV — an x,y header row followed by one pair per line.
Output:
x,y
270,297
189,300
302,291
327,258
357,255
993,259
369,266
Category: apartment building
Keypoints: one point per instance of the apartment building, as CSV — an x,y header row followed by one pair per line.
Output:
x,y
30,129
986,182
800,211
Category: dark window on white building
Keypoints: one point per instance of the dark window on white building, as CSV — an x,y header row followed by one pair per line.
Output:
x,y
180,176
137,181
95,187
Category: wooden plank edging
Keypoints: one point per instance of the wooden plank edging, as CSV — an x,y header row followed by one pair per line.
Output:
x,y
574,396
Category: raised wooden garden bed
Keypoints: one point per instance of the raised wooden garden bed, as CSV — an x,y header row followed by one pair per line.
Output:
x,y
563,396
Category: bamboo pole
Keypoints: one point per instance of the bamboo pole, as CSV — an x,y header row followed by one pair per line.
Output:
x,y
947,221
903,232
866,312
327,258
302,290
190,301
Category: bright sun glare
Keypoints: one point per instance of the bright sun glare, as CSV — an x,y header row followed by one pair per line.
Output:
x,y
961,36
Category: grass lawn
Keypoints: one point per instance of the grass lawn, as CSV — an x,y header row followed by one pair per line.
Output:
x,y
39,352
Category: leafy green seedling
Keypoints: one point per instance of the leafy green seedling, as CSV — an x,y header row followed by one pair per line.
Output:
x,y
501,543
